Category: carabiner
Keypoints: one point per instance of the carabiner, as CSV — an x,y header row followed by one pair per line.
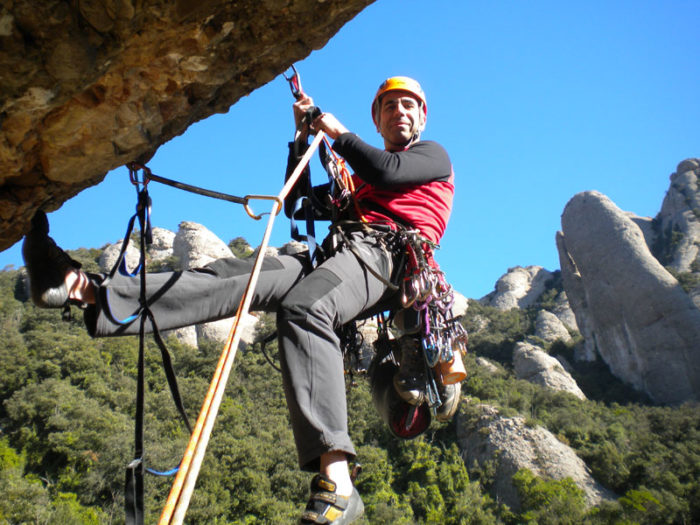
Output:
x,y
408,293
249,210
294,82
427,285
134,169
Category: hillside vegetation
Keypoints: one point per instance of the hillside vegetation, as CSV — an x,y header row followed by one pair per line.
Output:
x,y
66,419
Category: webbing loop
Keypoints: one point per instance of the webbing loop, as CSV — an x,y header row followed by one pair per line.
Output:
x,y
134,490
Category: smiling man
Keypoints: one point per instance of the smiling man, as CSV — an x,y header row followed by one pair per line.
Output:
x,y
399,115
407,186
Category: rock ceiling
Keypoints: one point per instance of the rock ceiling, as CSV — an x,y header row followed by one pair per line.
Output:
x,y
89,85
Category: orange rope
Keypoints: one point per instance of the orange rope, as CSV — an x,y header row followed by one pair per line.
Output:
x,y
346,178
183,486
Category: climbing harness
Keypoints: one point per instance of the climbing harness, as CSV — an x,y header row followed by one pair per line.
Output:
x,y
421,320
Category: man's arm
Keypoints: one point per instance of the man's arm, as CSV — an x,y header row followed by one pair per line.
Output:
x,y
423,162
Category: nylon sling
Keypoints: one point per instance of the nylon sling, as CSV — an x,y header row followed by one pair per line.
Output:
x,y
133,486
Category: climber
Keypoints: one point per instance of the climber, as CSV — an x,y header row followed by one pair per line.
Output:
x,y
409,183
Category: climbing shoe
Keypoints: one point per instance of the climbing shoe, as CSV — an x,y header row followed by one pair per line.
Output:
x,y
410,380
449,396
327,507
47,265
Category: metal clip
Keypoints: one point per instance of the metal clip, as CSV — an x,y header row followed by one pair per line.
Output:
x,y
249,210
294,82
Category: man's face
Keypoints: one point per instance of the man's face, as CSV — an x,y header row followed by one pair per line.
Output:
x,y
399,117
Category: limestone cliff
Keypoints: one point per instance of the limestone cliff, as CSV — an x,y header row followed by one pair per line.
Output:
x,y
513,445
89,85
677,225
630,310
519,288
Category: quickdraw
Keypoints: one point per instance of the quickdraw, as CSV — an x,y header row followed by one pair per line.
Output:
x,y
342,188
148,175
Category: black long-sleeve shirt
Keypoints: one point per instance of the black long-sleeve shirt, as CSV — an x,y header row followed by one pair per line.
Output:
x,y
413,187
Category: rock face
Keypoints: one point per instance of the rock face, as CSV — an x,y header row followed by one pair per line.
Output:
x,y
460,305
519,288
562,309
109,256
90,85
678,222
533,364
162,246
160,249
219,330
629,309
550,328
196,246
487,365
513,445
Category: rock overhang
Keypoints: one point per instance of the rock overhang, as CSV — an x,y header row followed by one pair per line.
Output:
x,y
88,86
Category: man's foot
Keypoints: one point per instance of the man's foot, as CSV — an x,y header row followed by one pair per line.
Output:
x,y
410,380
47,265
327,507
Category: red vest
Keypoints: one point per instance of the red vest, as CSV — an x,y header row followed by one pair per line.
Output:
x,y
423,206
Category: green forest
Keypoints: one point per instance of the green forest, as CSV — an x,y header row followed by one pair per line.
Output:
x,y
67,424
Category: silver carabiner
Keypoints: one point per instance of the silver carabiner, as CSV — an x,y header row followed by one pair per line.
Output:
x,y
406,289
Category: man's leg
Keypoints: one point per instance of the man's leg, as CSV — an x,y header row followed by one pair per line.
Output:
x,y
200,295
312,363
175,298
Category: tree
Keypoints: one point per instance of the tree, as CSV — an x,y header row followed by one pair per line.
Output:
x,y
549,502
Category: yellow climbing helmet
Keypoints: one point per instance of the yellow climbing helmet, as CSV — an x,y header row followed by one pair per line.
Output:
x,y
399,84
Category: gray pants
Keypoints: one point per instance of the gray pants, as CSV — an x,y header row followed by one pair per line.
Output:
x,y
310,306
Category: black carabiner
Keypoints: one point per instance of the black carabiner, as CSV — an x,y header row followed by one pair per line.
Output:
x,y
294,82
134,169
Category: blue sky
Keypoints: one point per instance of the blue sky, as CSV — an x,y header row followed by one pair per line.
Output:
x,y
534,101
